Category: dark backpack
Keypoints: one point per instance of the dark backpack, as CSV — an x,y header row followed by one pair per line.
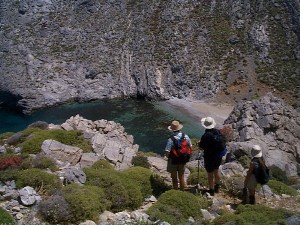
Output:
x,y
261,172
181,152
218,144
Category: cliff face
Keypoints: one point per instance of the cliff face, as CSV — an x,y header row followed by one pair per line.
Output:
x,y
55,51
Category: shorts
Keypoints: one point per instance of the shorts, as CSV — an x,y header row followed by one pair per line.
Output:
x,y
172,168
211,164
252,182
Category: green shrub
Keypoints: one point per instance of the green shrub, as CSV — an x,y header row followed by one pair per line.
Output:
x,y
121,193
175,207
140,176
281,188
4,137
278,174
102,164
245,161
44,162
253,214
55,209
158,185
39,179
86,202
32,144
6,218
8,175
141,161
193,177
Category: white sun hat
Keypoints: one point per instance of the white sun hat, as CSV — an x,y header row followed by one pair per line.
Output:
x,y
256,151
208,122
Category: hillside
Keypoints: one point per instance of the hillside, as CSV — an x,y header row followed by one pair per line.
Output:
x,y
56,51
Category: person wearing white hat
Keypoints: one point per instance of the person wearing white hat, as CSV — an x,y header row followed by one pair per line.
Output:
x,y
250,180
175,165
213,152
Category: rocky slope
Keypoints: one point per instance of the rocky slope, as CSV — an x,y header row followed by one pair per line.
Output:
x,y
272,124
55,51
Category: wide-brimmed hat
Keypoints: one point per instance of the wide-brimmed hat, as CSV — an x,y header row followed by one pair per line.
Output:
x,y
256,151
208,122
175,126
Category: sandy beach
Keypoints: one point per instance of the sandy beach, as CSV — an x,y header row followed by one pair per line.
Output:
x,y
199,109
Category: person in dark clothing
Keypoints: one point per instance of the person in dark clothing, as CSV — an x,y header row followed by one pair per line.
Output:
x,y
250,180
212,160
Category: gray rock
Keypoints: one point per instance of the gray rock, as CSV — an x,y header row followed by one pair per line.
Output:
x,y
28,196
88,222
61,153
272,124
73,175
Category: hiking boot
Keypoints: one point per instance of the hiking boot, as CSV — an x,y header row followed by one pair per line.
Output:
x,y
251,199
211,192
217,188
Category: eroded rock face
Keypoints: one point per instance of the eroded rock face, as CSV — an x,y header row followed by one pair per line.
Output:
x,y
56,51
272,124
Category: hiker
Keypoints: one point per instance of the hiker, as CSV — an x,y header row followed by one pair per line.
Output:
x,y
251,181
213,153
176,162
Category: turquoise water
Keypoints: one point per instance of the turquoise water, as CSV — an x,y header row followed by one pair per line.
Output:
x,y
146,121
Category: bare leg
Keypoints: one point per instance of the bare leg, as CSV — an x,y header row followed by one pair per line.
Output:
x,y
174,179
210,177
217,176
181,181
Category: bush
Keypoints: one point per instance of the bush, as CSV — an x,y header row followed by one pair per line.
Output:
x,y
4,137
140,176
254,214
245,161
278,174
6,218
175,207
281,188
10,161
102,164
32,144
44,162
158,185
39,179
141,161
55,209
86,202
193,177
121,193
8,175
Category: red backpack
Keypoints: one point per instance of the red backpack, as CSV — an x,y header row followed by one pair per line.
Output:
x,y
181,152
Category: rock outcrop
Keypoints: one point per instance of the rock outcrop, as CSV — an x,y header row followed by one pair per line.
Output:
x,y
108,139
272,124
56,51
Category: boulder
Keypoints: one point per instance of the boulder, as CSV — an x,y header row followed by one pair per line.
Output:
x,y
28,196
61,153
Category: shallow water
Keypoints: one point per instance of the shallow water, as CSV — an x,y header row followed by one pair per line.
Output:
x,y
146,121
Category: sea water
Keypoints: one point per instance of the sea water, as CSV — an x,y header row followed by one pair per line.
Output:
x,y
146,121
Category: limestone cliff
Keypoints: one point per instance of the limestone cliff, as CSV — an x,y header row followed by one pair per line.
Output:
x,y
272,124
54,51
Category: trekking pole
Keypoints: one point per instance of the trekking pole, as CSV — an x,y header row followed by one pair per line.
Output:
x,y
198,175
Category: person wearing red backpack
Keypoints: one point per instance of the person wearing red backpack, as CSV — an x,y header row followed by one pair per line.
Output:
x,y
178,151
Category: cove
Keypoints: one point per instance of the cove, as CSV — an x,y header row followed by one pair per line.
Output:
x,y
146,121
